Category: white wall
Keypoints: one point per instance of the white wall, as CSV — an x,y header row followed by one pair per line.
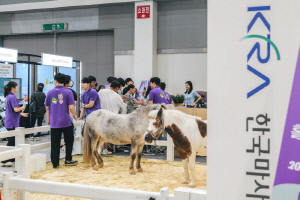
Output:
x,y
124,66
174,69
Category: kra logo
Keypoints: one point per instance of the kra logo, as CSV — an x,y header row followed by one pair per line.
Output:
x,y
257,48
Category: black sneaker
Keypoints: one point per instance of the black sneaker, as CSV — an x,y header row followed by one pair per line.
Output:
x,y
71,162
150,152
161,151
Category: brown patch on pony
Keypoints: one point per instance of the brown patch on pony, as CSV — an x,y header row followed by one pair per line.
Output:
x,y
150,117
181,142
202,128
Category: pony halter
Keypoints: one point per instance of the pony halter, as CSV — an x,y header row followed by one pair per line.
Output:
x,y
155,135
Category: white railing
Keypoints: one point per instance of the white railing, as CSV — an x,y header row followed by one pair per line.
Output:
x,y
21,132
24,185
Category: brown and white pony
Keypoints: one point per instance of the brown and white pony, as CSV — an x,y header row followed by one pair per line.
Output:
x,y
188,134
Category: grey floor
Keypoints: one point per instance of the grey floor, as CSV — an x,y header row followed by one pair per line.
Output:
x,y
46,138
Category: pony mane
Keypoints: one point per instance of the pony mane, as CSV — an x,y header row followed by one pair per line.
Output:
x,y
154,107
174,112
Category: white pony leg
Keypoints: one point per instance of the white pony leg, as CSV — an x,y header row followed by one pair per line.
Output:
x,y
186,171
192,160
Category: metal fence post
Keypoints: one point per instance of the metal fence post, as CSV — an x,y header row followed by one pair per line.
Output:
x,y
170,148
7,193
24,169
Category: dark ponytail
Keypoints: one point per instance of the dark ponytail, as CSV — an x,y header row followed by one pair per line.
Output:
x,y
8,87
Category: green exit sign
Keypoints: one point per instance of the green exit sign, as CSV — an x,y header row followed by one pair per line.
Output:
x,y
55,27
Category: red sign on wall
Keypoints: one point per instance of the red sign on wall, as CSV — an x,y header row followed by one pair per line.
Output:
x,y
143,12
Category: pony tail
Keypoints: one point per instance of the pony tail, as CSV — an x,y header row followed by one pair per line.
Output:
x,y
8,87
87,150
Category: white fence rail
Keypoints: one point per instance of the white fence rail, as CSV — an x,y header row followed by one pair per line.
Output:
x,y
24,185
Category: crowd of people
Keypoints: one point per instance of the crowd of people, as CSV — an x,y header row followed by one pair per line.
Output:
x,y
118,96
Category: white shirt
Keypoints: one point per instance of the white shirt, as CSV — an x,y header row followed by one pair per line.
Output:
x,y
112,101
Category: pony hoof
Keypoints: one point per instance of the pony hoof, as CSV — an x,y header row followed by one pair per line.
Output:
x,y
192,185
101,166
140,170
132,173
95,167
185,182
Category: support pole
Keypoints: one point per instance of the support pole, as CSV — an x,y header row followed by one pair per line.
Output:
x,y
28,78
7,193
19,139
24,169
55,47
164,193
78,144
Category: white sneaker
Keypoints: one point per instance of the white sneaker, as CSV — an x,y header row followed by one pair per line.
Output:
x,y
37,139
106,152
30,138
8,164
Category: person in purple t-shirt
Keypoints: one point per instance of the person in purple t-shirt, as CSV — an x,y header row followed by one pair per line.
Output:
x,y
90,99
58,103
168,98
156,95
12,113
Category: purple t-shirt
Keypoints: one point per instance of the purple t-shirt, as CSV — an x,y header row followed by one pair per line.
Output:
x,y
157,95
91,95
58,100
168,98
12,118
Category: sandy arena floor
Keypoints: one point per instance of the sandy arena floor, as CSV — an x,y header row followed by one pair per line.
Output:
x,y
157,174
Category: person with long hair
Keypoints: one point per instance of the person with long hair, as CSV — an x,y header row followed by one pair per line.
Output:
x,y
189,95
12,112
39,97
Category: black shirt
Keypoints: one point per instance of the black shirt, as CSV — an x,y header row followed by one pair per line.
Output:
x,y
74,94
39,97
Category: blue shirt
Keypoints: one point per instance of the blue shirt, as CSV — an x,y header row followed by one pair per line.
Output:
x,y
12,119
91,95
190,98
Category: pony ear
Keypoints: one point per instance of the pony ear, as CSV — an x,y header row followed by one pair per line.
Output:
x,y
160,113
163,106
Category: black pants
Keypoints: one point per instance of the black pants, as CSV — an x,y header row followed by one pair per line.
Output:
x,y
40,122
55,143
11,142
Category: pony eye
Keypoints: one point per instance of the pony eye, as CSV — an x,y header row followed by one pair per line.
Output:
x,y
155,123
